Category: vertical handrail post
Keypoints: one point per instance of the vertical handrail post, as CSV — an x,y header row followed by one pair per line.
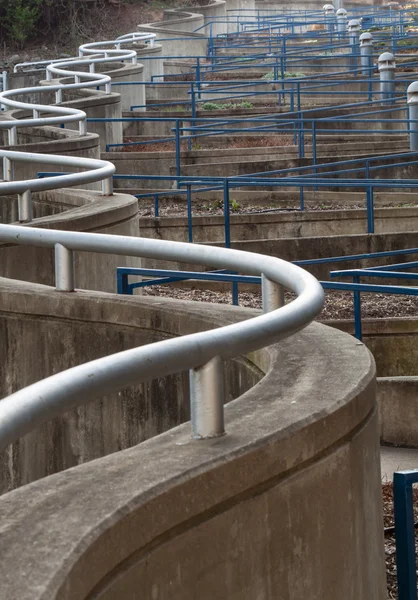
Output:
x,y
192,93
189,214
156,206
64,269
370,209
178,155
357,310
272,294
227,215
405,536
25,207
207,397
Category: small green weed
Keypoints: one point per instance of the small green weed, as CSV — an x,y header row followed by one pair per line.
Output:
x,y
226,106
234,205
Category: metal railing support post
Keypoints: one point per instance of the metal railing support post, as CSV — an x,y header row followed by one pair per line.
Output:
x,y
207,396
227,223
370,210
193,98
387,66
82,127
413,115
12,136
64,269
405,535
107,186
189,214
357,311
25,207
7,169
178,149
272,294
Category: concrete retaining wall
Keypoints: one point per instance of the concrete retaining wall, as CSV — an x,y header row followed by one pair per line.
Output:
x,y
284,506
207,229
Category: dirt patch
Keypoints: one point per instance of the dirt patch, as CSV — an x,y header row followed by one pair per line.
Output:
x,y
262,142
338,305
214,207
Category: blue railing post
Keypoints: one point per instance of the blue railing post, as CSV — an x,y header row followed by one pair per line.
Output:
x,y
198,76
405,536
370,209
357,310
156,206
122,285
276,69
227,223
314,145
235,294
301,136
301,197
178,151
298,94
192,94
284,53
189,214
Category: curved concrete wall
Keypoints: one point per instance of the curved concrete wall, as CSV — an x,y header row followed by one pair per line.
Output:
x,y
284,506
79,327
214,16
73,210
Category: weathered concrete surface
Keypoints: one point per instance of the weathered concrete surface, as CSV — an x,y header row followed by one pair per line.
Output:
x,y
286,505
276,225
58,331
392,341
398,410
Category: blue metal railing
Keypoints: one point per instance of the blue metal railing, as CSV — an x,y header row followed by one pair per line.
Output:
x,y
164,276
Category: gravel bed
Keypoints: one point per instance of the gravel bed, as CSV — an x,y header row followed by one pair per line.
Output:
x,y
215,208
338,305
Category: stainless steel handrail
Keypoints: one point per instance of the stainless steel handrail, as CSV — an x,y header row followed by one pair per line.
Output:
x,y
57,115
202,353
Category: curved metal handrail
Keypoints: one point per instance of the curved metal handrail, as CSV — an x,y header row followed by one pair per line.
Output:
x,y
30,407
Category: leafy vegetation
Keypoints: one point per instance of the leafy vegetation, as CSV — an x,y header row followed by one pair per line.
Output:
x,y
24,20
270,75
226,105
